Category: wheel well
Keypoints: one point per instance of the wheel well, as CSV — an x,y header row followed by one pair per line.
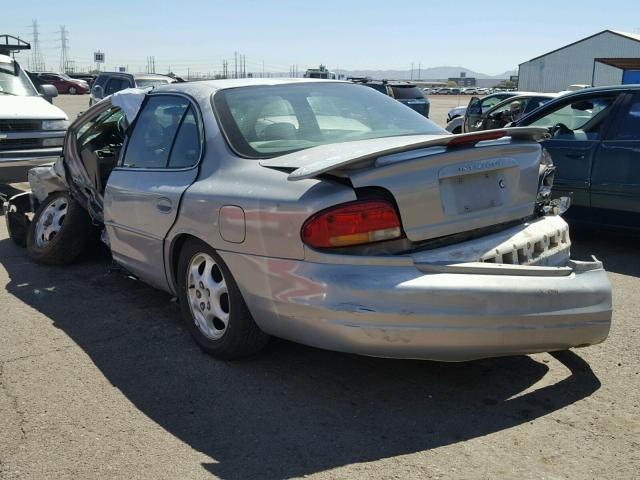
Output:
x,y
174,254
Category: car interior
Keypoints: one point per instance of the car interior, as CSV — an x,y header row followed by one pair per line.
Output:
x,y
99,142
579,120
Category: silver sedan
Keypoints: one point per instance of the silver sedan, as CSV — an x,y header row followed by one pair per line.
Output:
x,y
324,213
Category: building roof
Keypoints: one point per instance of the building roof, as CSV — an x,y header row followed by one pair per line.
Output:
x,y
630,36
621,63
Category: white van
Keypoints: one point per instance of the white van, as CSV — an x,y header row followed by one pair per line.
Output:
x,y
32,130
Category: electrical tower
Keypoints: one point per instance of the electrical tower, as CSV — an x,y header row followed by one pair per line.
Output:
x,y
37,62
64,49
151,64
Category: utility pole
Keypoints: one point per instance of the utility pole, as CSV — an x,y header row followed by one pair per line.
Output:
x,y
419,68
37,63
411,70
235,56
64,49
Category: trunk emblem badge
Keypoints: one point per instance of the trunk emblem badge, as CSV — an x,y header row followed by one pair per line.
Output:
x,y
501,183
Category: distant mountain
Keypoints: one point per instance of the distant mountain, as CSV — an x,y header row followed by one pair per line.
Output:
x,y
433,73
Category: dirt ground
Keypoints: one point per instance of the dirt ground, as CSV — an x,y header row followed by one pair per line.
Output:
x,y
100,379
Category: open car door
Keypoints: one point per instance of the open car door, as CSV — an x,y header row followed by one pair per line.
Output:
x,y
472,115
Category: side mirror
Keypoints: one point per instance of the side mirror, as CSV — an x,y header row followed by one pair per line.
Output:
x,y
48,91
97,91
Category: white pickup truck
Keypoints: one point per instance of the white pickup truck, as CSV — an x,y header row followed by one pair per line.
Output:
x,y
32,130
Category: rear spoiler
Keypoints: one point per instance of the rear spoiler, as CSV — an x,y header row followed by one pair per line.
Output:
x,y
315,161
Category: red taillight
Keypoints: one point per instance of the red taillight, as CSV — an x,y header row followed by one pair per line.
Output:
x,y
353,223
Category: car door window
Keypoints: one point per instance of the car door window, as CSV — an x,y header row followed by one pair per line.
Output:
x,y
104,125
154,132
579,120
535,102
114,85
186,148
487,103
629,126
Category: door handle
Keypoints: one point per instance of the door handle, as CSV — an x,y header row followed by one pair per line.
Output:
x,y
575,155
164,205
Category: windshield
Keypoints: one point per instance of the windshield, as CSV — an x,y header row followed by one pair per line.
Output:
x,y
267,121
13,81
150,82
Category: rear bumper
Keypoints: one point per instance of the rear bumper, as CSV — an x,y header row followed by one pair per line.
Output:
x,y
398,311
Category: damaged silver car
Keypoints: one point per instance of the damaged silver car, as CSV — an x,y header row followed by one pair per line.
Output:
x,y
324,213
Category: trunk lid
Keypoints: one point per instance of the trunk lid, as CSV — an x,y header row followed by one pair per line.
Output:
x,y
441,184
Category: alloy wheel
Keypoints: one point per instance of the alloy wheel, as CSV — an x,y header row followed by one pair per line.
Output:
x,y
208,296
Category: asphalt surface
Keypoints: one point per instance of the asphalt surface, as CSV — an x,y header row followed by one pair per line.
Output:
x,y
100,379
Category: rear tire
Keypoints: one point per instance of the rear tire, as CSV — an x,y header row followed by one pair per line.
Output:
x,y
212,306
59,230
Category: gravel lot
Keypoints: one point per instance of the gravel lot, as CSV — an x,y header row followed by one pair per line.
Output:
x,y
99,379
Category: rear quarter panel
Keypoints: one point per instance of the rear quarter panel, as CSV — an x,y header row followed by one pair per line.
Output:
x,y
274,207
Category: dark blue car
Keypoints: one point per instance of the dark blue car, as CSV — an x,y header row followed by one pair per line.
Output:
x,y
595,145
406,93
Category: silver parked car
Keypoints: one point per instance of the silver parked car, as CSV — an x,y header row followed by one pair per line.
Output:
x,y
324,213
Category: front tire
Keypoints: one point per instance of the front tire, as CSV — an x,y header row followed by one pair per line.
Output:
x,y
72,90
213,307
59,230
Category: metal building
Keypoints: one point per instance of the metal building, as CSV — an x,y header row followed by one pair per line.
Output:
x,y
606,58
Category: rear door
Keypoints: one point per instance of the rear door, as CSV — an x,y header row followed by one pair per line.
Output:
x,y
615,179
143,193
577,125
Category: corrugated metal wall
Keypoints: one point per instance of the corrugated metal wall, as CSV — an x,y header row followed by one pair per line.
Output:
x,y
574,64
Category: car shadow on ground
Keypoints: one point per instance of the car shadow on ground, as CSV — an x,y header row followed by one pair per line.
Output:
x,y
618,250
293,410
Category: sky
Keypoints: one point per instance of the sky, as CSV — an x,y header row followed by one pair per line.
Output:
x,y
484,36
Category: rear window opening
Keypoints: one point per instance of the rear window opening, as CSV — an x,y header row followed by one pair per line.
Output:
x,y
268,121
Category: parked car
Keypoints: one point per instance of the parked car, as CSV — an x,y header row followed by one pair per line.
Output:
x,y
87,77
324,213
595,144
510,110
64,83
455,113
406,93
108,83
31,129
479,105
